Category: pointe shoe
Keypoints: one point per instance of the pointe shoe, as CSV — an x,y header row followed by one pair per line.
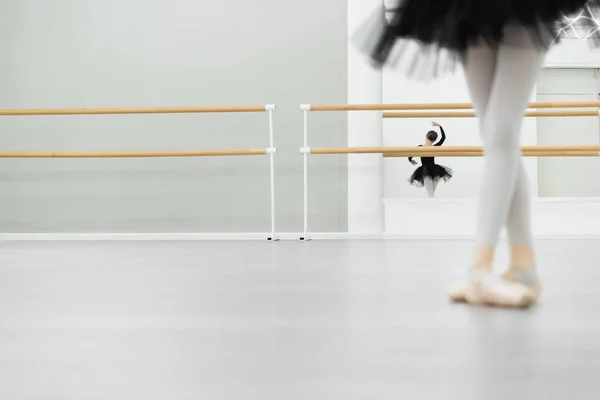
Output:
x,y
527,277
482,261
502,293
522,268
494,291
459,289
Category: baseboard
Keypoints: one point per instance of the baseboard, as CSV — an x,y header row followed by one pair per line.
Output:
x,y
70,237
183,236
433,236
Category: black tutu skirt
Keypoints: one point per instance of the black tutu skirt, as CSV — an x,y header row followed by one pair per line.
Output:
x,y
427,37
435,172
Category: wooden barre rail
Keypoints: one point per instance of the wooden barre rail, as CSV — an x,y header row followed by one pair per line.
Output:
x,y
433,151
470,114
440,106
133,110
525,153
132,154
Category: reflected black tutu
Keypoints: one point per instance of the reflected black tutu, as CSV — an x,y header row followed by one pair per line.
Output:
x,y
429,36
434,172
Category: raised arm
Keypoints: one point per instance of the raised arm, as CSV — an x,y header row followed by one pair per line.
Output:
x,y
443,139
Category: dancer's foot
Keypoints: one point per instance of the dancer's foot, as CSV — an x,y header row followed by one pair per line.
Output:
x,y
498,292
522,268
526,277
482,266
459,289
490,290
519,288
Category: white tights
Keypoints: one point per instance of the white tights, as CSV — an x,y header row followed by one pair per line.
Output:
x,y
430,186
500,81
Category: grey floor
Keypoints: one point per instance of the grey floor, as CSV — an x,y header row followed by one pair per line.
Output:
x,y
288,320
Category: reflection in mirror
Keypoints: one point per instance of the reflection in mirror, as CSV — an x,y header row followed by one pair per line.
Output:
x,y
568,176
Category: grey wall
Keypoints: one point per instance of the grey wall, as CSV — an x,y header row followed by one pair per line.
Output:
x,y
90,53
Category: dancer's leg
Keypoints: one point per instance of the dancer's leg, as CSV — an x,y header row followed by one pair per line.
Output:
x,y
517,65
480,68
480,71
522,260
429,187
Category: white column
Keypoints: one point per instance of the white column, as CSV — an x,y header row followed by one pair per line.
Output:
x,y
365,128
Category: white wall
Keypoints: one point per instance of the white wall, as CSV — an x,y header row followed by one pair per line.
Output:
x,y
572,54
91,53
365,183
568,176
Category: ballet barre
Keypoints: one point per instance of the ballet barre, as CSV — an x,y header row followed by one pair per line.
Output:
x,y
271,150
525,153
437,106
422,110
134,154
135,110
443,151
471,114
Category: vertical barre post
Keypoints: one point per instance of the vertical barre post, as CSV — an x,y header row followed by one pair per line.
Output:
x,y
271,151
598,109
305,109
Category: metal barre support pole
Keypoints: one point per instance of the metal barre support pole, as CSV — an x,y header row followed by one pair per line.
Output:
x,y
305,109
272,150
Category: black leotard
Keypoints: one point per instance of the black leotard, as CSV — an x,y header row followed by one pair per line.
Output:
x,y
431,160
